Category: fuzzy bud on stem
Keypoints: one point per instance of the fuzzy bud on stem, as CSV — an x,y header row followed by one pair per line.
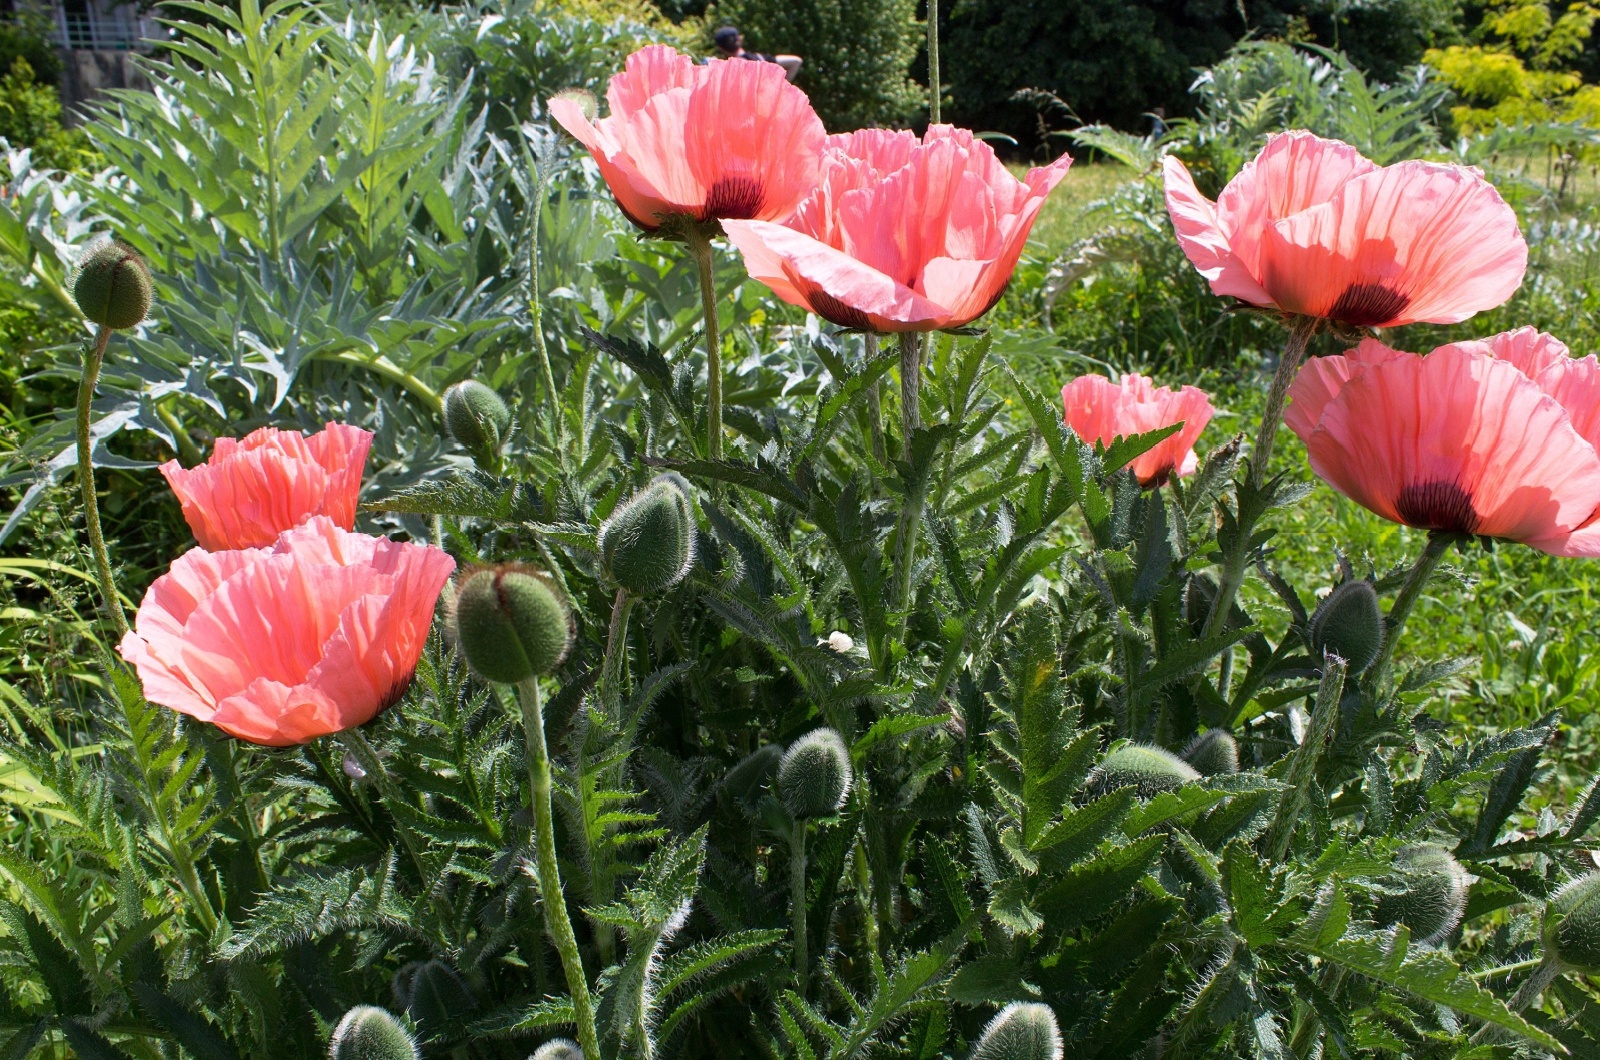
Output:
x,y
1022,1031
1572,926
1213,753
648,543
1147,769
814,776
112,286
1428,892
370,1033
479,420
1349,624
510,625
558,1049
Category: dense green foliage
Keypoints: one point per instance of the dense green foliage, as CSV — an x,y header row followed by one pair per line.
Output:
x,y
833,782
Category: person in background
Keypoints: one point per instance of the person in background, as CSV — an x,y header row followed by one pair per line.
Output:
x,y
730,45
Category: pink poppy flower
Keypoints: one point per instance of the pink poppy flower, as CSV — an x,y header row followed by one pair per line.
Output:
x,y
255,488
901,234
1099,410
278,646
1312,228
1499,437
730,138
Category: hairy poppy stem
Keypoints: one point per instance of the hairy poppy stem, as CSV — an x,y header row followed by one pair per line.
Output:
x,y
797,902
548,870
91,506
541,184
1410,593
700,245
911,512
880,450
1546,973
1294,354
933,62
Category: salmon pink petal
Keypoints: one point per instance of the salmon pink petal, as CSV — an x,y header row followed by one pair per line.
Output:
x,y
1461,442
1321,379
250,491
281,645
1530,349
1194,219
730,139
1294,172
829,283
1575,384
1413,242
1099,410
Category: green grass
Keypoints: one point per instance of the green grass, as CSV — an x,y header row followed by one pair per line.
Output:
x,y
1068,214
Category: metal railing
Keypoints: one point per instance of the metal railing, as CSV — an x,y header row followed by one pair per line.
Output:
x,y
103,25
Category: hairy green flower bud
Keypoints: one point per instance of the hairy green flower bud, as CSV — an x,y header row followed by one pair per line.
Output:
x,y
369,1033
1350,625
432,994
1572,925
478,420
814,775
1148,770
558,1049
510,625
112,286
648,543
1022,1031
1428,892
1213,752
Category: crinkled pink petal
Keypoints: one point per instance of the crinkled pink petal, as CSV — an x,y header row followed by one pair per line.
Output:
x,y
1194,220
1412,242
1457,441
250,491
830,283
282,645
1099,410
1320,380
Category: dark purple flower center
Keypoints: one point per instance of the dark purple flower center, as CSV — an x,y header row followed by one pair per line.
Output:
x,y
827,306
1368,305
1438,505
735,198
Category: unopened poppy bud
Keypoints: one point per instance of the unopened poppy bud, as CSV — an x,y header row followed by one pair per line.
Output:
x,y
1148,770
510,625
648,543
1428,892
432,994
112,286
1213,753
479,420
1350,625
558,1049
1572,926
1021,1031
814,775
370,1033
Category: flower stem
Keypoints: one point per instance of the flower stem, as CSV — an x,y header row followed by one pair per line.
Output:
x,y
797,901
616,651
541,185
911,512
700,245
933,62
1526,994
91,505
1406,599
1294,353
548,870
880,451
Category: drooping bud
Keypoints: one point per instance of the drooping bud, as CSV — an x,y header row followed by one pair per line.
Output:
x,y
1148,770
1428,892
814,775
479,420
112,286
1349,624
1572,926
510,625
1021,1031
648,543
370,1033
1213,752
432,994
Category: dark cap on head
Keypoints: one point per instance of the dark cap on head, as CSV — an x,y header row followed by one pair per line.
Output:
x,y
726,38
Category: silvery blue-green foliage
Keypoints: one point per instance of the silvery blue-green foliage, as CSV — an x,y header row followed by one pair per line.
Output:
x,y
166,891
